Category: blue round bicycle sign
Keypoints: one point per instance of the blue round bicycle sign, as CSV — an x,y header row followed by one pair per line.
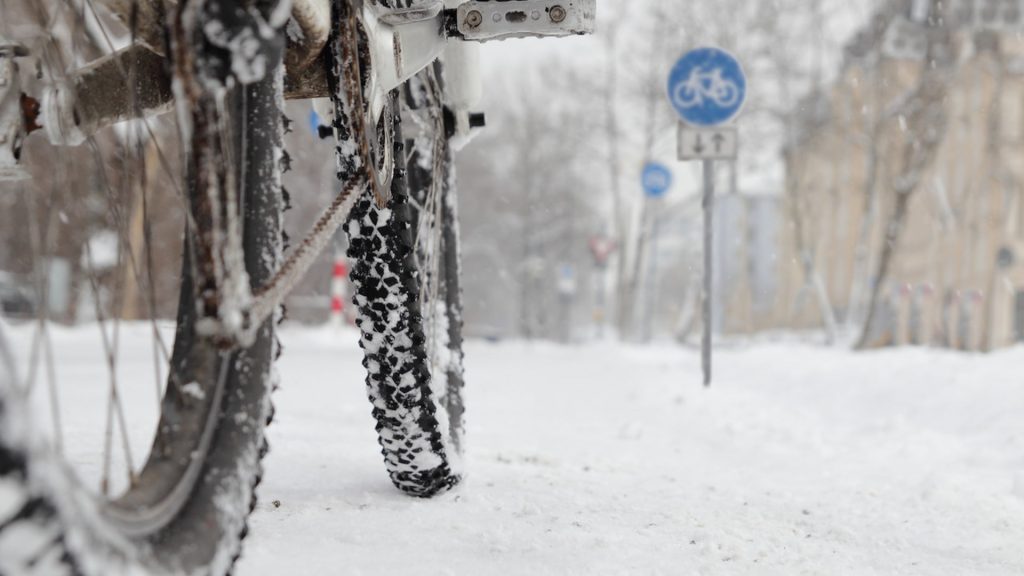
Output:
x,y
707,87
657,179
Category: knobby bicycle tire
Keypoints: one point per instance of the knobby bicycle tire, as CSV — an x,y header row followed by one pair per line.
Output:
x,y
418,406
52,524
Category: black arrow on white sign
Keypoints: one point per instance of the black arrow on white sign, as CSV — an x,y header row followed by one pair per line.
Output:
x,y
719,139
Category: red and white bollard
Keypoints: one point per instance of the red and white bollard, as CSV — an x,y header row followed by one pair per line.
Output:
x,y
339,291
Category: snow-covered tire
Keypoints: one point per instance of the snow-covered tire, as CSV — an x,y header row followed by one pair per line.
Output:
x,y
50,524
418,431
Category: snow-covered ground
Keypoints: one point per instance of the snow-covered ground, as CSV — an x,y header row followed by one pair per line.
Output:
x,y
606,459
609,459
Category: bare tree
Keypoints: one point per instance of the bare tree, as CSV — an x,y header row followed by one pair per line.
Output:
x,y
926,118
652,100
792,74
996,63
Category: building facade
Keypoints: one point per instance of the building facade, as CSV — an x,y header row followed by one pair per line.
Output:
x,y
956,277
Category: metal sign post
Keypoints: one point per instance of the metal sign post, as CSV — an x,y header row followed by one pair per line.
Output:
x,y
601,248
657,180
566,293
707,88
705,294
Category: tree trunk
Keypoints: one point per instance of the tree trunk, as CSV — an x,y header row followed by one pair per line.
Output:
x,y
926,120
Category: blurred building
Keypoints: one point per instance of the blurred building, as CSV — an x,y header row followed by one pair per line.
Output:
x,y
957,277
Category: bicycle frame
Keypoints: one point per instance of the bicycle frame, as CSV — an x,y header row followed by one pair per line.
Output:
x,y
87,101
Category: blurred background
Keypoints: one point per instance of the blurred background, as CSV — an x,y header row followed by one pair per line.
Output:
x,y
851,215
828,223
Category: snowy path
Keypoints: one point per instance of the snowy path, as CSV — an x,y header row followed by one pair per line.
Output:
x,y
612,460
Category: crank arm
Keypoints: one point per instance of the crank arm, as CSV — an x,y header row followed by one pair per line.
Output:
x,y
483,20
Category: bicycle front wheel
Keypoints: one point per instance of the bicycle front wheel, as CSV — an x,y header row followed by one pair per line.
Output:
x,y
407,293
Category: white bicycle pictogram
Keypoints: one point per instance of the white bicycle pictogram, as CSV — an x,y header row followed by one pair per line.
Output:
x,y
706,85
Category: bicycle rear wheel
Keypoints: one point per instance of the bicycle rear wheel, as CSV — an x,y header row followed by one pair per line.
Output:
x,y
185,509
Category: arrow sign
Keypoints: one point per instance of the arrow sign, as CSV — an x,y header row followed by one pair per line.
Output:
x,y
719,139
708,143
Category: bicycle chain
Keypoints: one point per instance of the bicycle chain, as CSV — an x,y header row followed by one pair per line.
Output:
x,y
352,151
345,79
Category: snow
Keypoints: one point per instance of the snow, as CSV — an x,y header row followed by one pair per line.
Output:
x,y
247,63
603,459
101,252
194,390
294,31
281,14
611,459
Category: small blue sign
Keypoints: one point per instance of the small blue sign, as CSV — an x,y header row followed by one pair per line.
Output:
x,y
707,87
567,280
657,179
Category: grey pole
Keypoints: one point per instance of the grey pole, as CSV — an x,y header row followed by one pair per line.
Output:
x,y
652,272
709,206
601,309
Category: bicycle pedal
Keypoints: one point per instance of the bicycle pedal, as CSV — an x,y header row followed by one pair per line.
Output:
x,y
483,20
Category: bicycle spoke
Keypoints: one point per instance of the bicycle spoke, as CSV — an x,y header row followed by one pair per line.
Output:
x,y
33,357
42,346
113,398
118,307
110,339
108,436
50,53
113,205
51,379
435,223
125,256
160,352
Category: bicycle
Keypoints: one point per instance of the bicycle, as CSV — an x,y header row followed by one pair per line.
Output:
x,y
708,85
225,67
